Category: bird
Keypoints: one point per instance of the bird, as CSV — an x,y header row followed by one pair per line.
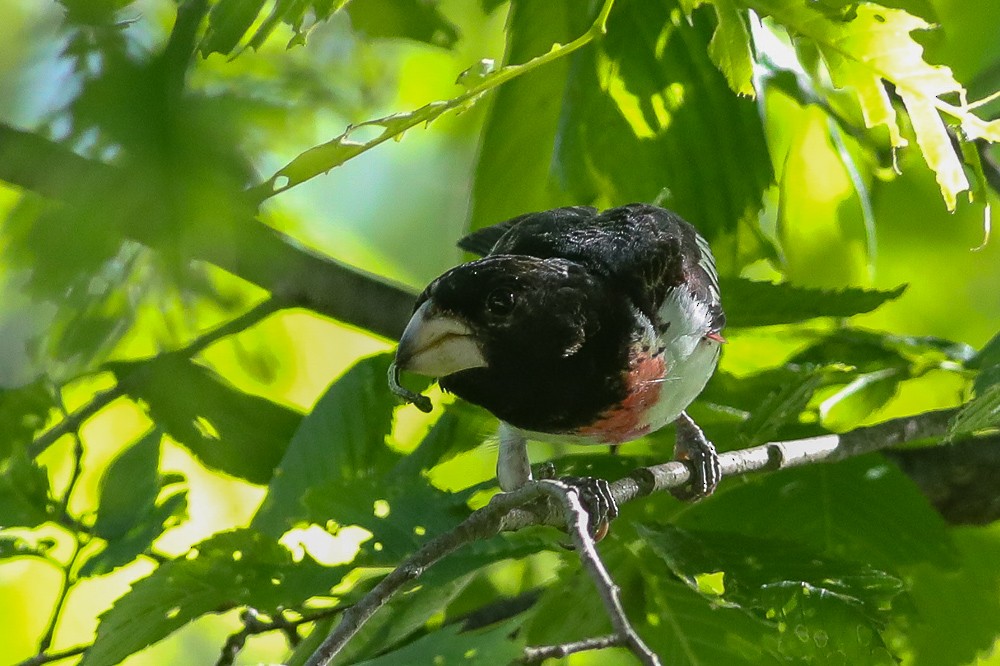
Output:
x,y
577,326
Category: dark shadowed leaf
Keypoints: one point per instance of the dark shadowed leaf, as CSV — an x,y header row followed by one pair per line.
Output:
x,y
23,412
14,546
841,607
24,493
171,510
450,645
228,21
410,19
129,488
229,430
341,440
863,509
229,569
750,303
951,603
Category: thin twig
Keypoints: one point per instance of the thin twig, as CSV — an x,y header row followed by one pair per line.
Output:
x,y
536,655
72,422
254,624
577,520
50,657
79,538
511,511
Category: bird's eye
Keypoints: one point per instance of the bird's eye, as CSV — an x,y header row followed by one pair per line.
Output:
x,y
500,302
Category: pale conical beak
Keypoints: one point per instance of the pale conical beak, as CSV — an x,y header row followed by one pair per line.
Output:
x,y
437,344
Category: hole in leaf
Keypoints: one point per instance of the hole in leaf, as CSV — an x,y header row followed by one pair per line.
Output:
x,y
173,612
381,508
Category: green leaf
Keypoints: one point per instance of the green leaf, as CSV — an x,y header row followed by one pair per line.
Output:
x,y
228,21
781,406
24,493
462,427
341,440
784,583
237,568
634,123
519,136
955,606
862,509
23,412
875,45
980,413
438,587
820,222
293,13
762,574
402,513
411,19
450,645
730,48
128,516
228,430
170,511
129,487
12,546
861,398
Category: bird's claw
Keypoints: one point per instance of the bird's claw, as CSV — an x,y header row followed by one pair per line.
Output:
x,y
694,447
597,499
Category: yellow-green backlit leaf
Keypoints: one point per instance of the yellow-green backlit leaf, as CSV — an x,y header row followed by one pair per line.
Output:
x,y
730,47
877,45
935,144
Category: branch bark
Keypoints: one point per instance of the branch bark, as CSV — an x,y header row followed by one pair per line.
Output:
x,y
521,508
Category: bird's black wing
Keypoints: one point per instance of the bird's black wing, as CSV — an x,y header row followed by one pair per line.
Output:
x,y
646,250
483,240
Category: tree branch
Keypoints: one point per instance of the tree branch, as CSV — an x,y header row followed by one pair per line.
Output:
x,y
251,250
521,508
536,655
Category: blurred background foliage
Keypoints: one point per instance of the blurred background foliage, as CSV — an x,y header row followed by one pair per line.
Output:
x,y
174,311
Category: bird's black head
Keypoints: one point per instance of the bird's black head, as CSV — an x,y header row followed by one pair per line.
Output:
x,y
520,336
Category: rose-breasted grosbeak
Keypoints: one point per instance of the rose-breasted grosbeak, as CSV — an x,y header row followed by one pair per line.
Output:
x,y
577,325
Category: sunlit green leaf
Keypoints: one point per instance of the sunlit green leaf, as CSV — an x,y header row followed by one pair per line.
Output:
x,y
875,45
229,569
237,433
730,46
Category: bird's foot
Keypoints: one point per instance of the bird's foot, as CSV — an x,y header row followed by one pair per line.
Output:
x,y
595,496
692,446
